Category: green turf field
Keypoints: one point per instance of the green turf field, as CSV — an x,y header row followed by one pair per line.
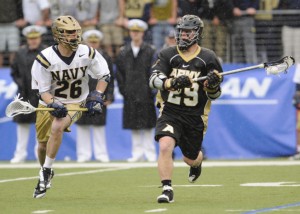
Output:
x,y
117,188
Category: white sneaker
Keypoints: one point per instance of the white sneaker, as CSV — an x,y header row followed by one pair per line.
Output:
x,y
44,182
82,160
17,160
103,159
167,195
135,159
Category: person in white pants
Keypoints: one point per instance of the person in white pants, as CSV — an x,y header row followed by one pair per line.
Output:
x,y
133,68
21,74
20,154
88,135
143,146
91,136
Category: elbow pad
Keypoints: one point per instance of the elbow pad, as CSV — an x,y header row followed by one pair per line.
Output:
x,y
105,78
157,80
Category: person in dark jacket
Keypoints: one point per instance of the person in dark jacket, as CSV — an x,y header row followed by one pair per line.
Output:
x,y
133,71
91,130
216,15
21,74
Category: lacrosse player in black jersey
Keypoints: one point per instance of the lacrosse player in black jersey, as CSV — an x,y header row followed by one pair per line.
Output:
x,y
184,104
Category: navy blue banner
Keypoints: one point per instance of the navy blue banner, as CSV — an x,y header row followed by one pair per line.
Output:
x,y
254,118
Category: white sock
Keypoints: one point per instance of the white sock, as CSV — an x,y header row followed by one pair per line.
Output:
x,y
48,162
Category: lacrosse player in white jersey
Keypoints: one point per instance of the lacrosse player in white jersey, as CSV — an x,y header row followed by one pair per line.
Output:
x,y
60,73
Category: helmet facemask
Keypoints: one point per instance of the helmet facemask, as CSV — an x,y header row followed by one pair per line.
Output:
x,y
192,37
67,32
192,26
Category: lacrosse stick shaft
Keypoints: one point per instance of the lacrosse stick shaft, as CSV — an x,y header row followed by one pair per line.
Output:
x,y
52,109
233,71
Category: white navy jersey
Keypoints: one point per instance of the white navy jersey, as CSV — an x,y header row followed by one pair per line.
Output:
x,y
66,78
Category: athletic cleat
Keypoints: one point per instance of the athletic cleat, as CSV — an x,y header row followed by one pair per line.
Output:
x,y
194,174
167,195
49,182
44,183
38,191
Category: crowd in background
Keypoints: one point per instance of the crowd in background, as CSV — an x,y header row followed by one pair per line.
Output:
x,y
239,31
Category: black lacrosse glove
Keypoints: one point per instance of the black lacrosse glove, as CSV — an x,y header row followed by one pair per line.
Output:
x,y
214,79
296,100
59,111
179,82
94,103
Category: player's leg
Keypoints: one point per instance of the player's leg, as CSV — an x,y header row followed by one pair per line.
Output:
x,y
195,167
165,168
167,133
43,127
190,145
50,128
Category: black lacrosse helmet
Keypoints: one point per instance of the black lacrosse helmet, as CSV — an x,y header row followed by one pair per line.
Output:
x,y
189,22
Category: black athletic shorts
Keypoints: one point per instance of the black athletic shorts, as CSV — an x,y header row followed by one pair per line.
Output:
x,y
187,130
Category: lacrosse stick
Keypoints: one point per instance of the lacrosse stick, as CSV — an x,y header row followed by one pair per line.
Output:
x,y
274,68
17,106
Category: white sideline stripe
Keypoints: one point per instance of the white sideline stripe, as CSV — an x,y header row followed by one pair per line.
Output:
x,y
42,211
208,163
156,210
188,185
65,174
247,102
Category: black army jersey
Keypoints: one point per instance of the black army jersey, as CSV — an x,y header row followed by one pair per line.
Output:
x,y
173,63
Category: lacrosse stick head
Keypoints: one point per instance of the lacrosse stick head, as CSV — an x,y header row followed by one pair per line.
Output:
x,y
279,66
17,106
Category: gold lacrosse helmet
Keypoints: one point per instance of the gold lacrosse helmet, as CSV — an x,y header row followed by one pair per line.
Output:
x,y
67,31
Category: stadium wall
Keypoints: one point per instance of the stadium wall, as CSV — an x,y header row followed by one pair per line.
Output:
x,y
254,118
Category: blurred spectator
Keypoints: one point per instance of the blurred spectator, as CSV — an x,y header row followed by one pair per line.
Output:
x,y
133,71
163,17
21,74
91,130
58,8
11,18
37,12
62,7
86,13
291,29
267,37
170,39
136,9
191,7
111,24
216,15
243,46
296,102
